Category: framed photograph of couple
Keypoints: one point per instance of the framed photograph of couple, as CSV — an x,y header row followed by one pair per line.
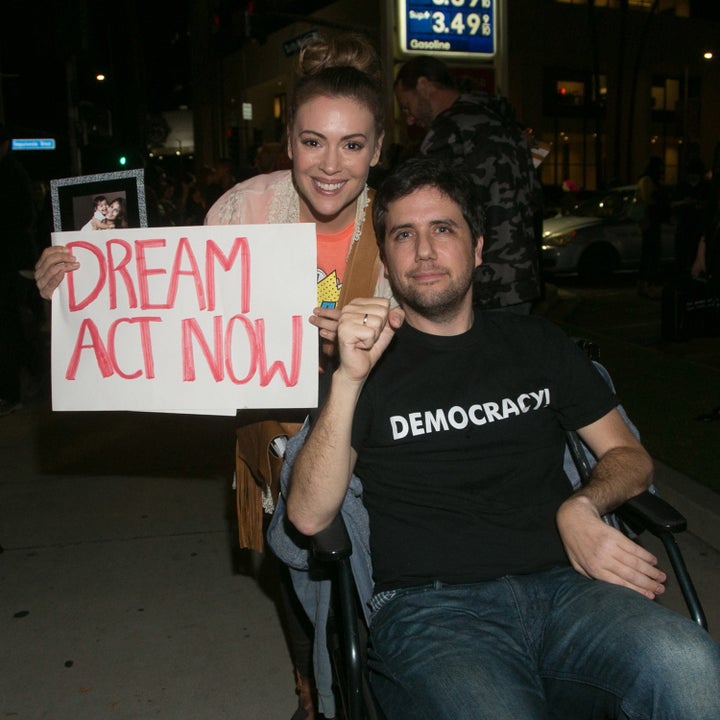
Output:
x,y
99,202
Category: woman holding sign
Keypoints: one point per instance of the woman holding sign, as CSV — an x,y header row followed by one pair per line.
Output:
x,y
335,132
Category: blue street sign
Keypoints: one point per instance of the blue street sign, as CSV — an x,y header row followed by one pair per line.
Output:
x,y
455,28
33,144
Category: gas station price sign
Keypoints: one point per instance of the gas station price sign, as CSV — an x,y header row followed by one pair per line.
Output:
x,y
457,28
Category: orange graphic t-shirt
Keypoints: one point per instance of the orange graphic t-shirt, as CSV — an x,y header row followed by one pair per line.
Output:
x,y
332,252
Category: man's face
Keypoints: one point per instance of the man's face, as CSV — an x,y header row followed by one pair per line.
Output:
x,y
429,255
415,105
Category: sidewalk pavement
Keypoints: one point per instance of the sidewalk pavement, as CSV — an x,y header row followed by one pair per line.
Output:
x,y
123,594
700,545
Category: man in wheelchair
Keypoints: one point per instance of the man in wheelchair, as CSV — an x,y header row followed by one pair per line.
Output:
x,y
499,592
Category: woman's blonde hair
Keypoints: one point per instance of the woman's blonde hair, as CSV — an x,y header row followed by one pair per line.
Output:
x,y
344,65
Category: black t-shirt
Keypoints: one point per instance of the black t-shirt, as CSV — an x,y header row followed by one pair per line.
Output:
x,y
460,446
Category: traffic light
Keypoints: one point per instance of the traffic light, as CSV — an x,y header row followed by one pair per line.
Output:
x,y
122,160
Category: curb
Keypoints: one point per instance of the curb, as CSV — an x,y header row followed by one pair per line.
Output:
x,y
699,505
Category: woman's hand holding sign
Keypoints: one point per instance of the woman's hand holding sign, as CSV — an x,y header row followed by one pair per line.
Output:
x,y
50,269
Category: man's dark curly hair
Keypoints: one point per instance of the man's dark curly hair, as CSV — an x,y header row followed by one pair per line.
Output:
x,y
455,182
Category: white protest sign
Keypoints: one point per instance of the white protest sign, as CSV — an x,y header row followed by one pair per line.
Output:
x,y
206,319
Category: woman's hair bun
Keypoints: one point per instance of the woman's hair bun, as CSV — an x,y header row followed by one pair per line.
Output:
x,y
343,50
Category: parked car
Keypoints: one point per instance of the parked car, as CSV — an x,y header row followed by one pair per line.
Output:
x,y
598,237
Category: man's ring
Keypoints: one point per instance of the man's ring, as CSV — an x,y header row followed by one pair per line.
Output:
x,y
365,319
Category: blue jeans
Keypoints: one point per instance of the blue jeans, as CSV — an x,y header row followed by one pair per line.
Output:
x,y
549,645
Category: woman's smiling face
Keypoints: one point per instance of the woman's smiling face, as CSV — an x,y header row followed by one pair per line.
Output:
x,y
333,145
113,211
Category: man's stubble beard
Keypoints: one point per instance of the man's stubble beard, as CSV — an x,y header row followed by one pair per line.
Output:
x,y
439,306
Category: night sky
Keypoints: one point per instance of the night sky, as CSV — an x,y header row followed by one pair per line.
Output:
x,y
37,38
148,38
143,47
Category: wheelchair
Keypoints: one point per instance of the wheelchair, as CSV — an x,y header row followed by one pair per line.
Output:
x,y
347,634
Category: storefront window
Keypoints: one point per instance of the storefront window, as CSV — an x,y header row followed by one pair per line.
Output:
x,y
573,157
570,92
665,94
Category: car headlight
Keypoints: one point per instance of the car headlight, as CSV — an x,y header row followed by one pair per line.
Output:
x,y
559,240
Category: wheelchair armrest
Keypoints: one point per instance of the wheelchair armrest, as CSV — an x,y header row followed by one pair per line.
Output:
x,y
650,512
332,543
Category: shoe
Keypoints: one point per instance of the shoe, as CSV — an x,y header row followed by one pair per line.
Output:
x,y
304,688
9,406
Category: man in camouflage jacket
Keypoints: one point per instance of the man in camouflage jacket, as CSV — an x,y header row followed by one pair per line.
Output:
x,y
480,132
